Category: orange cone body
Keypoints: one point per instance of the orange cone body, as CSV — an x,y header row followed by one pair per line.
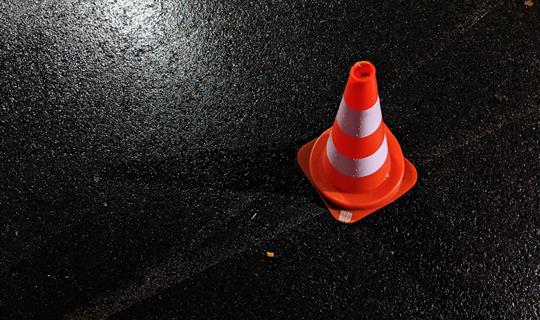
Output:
x,y
357,165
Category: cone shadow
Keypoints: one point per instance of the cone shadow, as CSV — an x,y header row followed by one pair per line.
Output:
x,y
270,168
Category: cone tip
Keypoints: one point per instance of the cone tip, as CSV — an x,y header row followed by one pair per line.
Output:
x,y
363,71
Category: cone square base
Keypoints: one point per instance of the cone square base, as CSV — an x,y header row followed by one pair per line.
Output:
x,y
346,215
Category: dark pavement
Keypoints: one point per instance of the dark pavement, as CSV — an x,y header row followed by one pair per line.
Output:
x,y
147,160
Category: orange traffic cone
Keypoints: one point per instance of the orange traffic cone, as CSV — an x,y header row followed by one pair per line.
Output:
x,y
357,165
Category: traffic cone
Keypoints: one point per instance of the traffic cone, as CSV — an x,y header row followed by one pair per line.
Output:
x,y
357,165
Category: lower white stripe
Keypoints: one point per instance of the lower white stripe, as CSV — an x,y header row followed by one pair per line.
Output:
x,y
359,123
356,167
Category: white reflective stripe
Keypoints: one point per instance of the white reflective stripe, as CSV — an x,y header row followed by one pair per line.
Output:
x,y
345,216
356,167
359,123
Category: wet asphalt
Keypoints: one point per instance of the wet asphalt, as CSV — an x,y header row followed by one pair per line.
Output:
x,y
147,160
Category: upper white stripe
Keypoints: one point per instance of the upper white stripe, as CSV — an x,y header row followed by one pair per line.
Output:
x,y
359,123
356,167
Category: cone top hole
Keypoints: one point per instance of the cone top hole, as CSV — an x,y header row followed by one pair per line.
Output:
x,y
363,70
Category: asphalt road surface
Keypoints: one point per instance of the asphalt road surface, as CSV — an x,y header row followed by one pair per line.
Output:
x,y
147,160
